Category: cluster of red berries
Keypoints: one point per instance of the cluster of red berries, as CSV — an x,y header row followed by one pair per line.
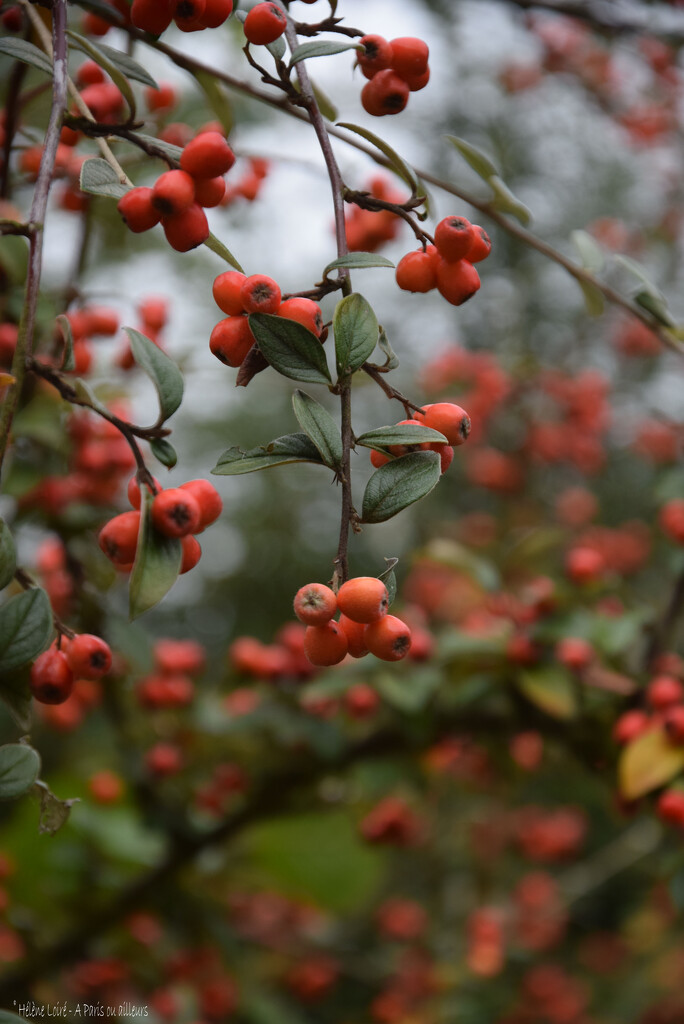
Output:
x,y
177,197
364,625
265,23
448,264
367,230
84,656
155,16
171,683
445,417
178,512
238,296
394,69
393,822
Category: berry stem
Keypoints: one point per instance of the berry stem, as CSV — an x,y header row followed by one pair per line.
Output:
x,y
39,203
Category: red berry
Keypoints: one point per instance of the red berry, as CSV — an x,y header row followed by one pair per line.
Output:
x,y
315,604
216,12
409,55
674,723
664,692
191,553
185,231
209,191
584,565
417,271
119,538
133,491
163,98
670,807
480,247
152,15
173,192
389,638
51,680
260,294
231,340
226,292
137,210
575,653
448,419
377,56
105,787
207,156
356,636
453,237
175,512
363,599
418,81
386,93
89,73
264,24
89,656
208,499
163,759
325,645
187,14
672,519
303,311
457,282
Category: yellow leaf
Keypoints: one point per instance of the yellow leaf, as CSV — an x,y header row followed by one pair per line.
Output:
x,y
6,379
551,690
648,762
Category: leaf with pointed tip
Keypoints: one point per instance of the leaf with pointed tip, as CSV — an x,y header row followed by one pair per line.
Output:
x,y
320,427
53,812
399,484
20,49
19,769
290,448
157,563
478,160
506,202
8,555
391,358
638,271
167,148
218,100
99,179
322,48
382,437
358,261
164,452
277,48
647,763
117,75
68,362
290,348
163,372
25,628
389,579
591,254
216,246
356,333
397,164
656,306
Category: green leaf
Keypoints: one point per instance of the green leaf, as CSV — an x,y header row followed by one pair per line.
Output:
x,y
382,437
25,628
656,306
8,555
277,48
397,164
391,358
68,363
636,270
408,692
506,202
126,65
478,160
290,348
325,104
164,452
117,75
593,298
399,484
54,812
16,695
358,261
647,763
591,254
164,147
218,101
551,690
157,564
216,246
19,769
290,448
320,427
20,49
356,333
165,375
99,179
389,579
321,48
86,394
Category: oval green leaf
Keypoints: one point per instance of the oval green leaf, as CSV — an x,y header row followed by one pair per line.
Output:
x,y
99,179
118,76
396,163
165,375
551,690
157,564
321,48
216,246
478,160
19,769
25,628
290,448
290,348
506,202
356,333
8,555
381,437
399,484
320,427
20,49
164,452
358,261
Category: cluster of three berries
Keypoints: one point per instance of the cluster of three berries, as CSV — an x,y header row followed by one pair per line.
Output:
x,y
448,264
394,69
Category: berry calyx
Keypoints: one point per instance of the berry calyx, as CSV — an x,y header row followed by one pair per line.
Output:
x,y
176,512
385,93
315,604
260,294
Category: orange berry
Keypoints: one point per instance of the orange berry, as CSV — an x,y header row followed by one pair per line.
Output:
x,y
315,604
226,292
264,23
303,311
325,645
175,512
186,230
409,55
480,247
137,210
457,282
163,98
453,237
209,191
231,340
133,491
418,81
363,599
417,271
207,156
260,294
209,501
356,636
386,93
448,419
389,638
377,56
105,787
379,459
119,538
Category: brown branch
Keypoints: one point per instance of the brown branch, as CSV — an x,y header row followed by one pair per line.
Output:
x,y
376,373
